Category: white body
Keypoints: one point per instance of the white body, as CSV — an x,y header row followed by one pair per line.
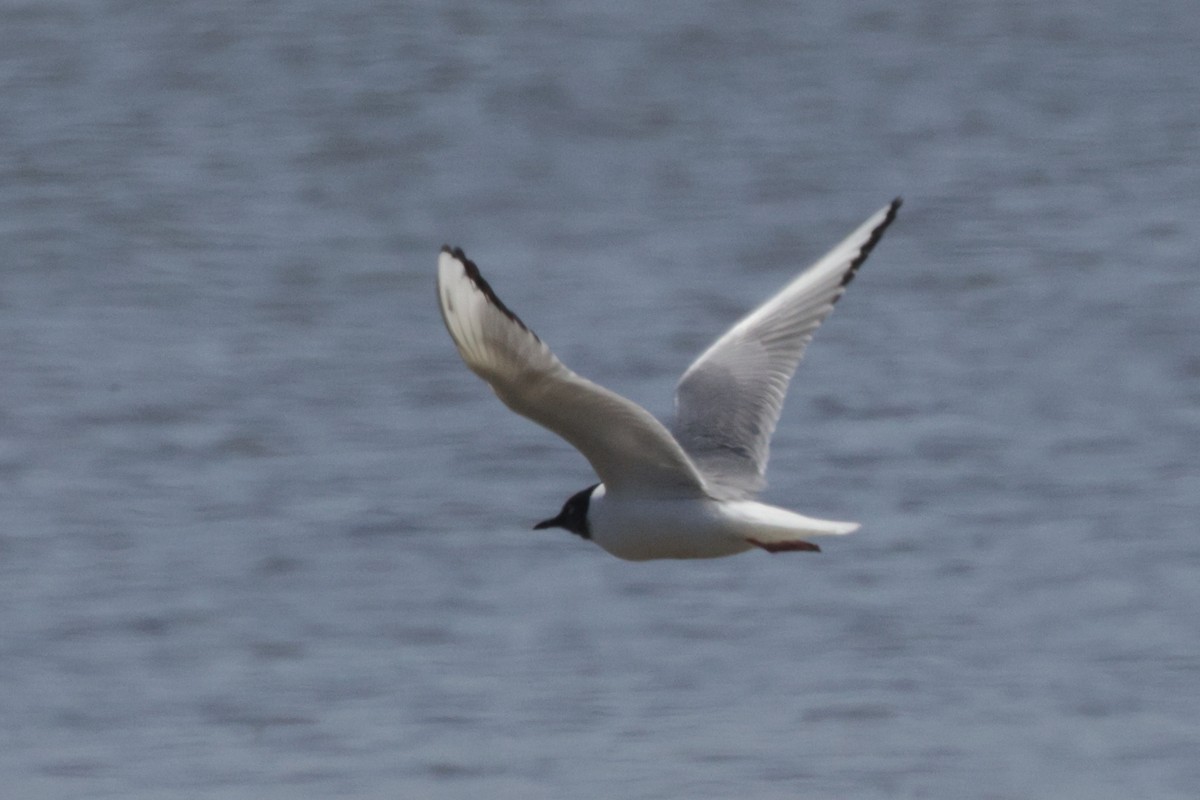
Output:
x,y
687,491
640,528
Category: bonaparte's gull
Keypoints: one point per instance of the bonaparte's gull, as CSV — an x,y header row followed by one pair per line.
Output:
x,y
682,494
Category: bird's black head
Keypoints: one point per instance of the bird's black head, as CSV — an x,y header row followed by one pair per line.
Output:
x,y
574,515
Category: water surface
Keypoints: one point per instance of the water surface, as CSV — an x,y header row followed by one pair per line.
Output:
x,y
264,536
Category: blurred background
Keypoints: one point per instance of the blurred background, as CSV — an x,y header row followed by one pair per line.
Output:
x,y
262,535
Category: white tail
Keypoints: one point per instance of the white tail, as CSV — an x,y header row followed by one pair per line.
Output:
x,y
777,529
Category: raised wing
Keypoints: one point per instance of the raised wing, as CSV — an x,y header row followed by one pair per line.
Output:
x,y
630,450
728,401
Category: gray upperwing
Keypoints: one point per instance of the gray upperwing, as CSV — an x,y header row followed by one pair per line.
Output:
x,y
728,401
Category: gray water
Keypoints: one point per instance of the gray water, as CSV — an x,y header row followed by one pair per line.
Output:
x,y
264,536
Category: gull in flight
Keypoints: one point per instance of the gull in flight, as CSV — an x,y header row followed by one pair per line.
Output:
x,y
687,491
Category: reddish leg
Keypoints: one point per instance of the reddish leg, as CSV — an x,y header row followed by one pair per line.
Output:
x,y
785,547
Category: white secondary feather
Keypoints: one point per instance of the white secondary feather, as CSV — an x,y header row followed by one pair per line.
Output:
x,y
630,450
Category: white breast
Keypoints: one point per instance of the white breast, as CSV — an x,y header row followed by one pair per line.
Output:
x,y
640,528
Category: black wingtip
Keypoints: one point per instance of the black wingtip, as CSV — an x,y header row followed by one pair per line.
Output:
x,y
480,283
873,240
